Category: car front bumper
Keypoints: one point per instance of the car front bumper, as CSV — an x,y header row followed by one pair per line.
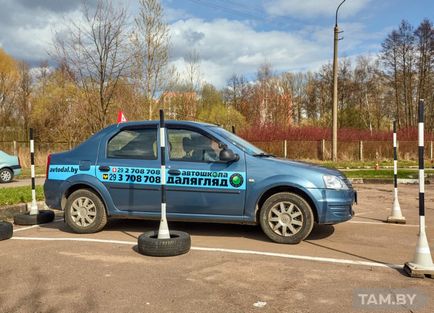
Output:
x,y
335,206
16,169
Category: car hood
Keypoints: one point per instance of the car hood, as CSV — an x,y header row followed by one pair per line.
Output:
x,y
306,166
310,166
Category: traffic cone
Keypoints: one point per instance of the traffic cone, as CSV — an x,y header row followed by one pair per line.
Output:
x,y
163,230
422,264
396,216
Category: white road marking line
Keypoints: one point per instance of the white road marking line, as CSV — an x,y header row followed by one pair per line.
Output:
x,y
77,239
378,223
235,251
25,228
303,257
364,213
35,226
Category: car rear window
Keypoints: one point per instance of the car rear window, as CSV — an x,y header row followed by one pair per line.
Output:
x,y
134,144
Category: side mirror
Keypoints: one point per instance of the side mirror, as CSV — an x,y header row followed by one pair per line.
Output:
x,y
227,155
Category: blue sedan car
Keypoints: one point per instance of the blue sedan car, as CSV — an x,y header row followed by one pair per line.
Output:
x,y
213,176
9,167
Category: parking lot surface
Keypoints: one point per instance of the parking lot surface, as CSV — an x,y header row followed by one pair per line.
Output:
x,y
19,182
231,268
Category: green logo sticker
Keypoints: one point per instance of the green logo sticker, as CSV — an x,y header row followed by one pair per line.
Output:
x,y
236,180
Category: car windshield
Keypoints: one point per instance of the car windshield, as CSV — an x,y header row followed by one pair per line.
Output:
x,y
237,141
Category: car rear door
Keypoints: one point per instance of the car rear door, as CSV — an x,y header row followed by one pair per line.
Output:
x,y
129,166
198,182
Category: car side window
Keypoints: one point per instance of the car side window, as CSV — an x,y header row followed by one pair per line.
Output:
x,y
188,145
134,144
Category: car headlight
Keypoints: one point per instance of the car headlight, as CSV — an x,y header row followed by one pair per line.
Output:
x,y
334,182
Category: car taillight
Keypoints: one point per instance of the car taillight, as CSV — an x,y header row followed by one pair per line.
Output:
x,y
19,162
48,165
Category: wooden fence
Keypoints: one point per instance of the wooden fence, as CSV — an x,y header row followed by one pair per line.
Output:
x,y
347,150
305,150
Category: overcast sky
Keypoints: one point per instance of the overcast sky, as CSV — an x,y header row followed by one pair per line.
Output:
x,y
231,36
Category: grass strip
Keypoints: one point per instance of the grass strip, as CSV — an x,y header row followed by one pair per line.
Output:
x,y
15,195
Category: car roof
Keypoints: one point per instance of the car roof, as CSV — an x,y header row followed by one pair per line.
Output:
x,y
170,122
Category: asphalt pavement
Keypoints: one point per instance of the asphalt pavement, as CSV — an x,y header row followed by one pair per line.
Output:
x,y
18,182
231,268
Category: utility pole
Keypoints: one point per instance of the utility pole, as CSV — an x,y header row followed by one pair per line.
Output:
x,y
335,88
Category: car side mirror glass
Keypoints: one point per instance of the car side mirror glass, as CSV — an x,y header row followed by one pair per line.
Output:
x,y
227,155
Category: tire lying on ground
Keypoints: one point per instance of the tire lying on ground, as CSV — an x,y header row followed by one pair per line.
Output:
x,y
6,230
44,216
178,243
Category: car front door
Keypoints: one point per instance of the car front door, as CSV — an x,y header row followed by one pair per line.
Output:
x,y
198,182
129,166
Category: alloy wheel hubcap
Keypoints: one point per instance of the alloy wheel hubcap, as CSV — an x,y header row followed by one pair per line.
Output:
x,y
83,211
6,176
285,219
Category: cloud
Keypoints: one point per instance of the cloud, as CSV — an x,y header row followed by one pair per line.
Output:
x,y
51,5
172,14
26,27
226,47
313,8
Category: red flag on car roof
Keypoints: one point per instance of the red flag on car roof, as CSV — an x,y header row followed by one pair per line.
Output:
x,y
121,117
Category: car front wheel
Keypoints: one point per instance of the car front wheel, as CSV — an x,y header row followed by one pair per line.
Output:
x,y
6,175
85,212
286,218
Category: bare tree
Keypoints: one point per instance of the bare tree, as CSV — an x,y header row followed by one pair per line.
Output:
x,y
407,62
425,64
9,79
24,93
193,76
390,56
96,53
296,84
151,43
237,93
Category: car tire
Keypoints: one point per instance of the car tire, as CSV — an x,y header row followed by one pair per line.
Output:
x,y
6,230
43,217
286,218
6,175
178,243
85,212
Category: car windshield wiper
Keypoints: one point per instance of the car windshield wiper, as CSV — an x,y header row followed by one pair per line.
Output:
x,y
262,154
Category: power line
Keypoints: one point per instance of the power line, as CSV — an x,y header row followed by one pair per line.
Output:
x,y
233,10
236,9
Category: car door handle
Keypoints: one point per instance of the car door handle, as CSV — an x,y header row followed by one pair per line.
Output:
x,y
175,172
104,168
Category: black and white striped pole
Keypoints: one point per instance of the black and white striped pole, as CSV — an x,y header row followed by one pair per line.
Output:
x,y
163,231
34,216
163,242
396,216
34,206
422,264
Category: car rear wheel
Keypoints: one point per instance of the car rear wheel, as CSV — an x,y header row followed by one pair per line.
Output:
x,y
85,212
286,218
6,175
